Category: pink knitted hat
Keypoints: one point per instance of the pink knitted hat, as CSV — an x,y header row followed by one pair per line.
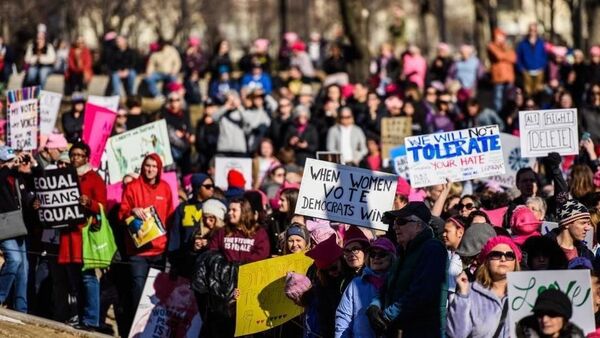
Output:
x,y
296,285
492,242
320,230
524,224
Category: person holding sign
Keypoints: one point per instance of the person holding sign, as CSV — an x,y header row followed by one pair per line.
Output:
x,y
480,309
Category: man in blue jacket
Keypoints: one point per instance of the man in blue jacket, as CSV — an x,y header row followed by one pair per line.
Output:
x,y
531,61
413,299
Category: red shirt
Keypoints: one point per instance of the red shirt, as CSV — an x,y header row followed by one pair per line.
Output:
x,y
238,248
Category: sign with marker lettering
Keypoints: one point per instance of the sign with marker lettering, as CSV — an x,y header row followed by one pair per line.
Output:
x,y
346,194
23,122
393,132
101,123
458,155
263,304
58,193
49,107
546,131
525,286
513,161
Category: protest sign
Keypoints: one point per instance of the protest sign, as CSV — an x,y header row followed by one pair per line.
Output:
x,y
101,124
456,155
145,231
224,164
108,102
393,132
58,193
513,161
345,194
524,287
262,304
589,236
114,192
49,107
126,151
399,161
167,308
22,113
546,131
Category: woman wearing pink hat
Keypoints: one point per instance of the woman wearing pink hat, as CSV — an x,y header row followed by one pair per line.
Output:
x,y
480,309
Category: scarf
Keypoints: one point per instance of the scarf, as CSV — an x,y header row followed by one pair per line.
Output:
x,y
84,169
376,280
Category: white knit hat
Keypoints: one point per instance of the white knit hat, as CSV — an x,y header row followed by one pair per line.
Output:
x,y
214,207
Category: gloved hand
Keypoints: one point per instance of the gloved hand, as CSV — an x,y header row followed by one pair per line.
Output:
x,y
552,160
378,322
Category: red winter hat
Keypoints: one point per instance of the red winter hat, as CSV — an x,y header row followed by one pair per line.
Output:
x,y
354,234
492,242
235,179
298,46
325,253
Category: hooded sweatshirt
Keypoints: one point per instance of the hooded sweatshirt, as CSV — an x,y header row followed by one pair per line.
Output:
x,y
141,194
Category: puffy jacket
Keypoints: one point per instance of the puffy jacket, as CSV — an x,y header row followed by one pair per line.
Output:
x,y
166,60
140,194
216,277
476,315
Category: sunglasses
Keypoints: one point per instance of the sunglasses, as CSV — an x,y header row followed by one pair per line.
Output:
x,y
497,255
208,186
354,250
378,254
468,206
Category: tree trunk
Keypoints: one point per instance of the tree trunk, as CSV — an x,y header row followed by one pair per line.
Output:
x,y
593,13
480,34
576,19
552,11
355,28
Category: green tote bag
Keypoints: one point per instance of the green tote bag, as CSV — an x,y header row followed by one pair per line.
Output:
x,y
99,246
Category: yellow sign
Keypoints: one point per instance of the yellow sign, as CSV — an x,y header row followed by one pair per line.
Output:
x,y
263,304
393,132
143,232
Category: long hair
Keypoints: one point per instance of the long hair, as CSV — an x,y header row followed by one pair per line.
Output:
x,y
484,277
291,195
247,224
581,180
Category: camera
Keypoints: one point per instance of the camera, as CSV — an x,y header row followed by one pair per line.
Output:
x,y
26,159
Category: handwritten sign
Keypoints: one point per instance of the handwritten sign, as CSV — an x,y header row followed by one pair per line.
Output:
x,y
457,155
126,151
262,304
49,107
224,164
108,102
58,193
546,131
393,132
525,286
346,194
101,123
23,118
513,161
167,308
399,161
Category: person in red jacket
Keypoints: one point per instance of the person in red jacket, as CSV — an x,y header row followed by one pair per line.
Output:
x,y
70,251
148,190
79,67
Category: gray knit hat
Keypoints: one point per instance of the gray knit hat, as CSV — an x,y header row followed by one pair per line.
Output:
x,y
571,211
474,239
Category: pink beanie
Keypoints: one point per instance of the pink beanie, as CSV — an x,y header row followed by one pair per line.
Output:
x,y
403,188
320,230
524,224
56,141
296,285
492,242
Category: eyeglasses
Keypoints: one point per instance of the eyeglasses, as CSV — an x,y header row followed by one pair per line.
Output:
x,y
378,254
354,250
208,186
468,206
497,255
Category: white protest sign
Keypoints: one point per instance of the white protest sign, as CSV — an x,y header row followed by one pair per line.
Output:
x,y
546,131
524,287
126,151
49,106
589,236
346,194
224,164
513,161
399,161
108,102
23,118
456,155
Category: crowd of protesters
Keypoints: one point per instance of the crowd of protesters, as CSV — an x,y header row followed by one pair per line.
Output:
x,y
440,270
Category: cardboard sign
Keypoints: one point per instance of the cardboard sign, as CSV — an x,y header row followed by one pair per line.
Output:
x,y
49,107
101,123
546,131
393,132
22,118
224,164
346,194
589,236
167,309
126,151
58,192
399,161
456,155
524,287
513,161
145,231
262,304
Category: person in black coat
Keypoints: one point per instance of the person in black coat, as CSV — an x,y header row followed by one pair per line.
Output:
x,y
207,136
121,66
72,121
302,136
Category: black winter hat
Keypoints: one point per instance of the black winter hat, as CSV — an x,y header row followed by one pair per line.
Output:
x,y
418,209
555,302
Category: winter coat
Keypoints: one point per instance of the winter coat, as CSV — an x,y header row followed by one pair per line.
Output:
x,y
166,61
528,327
46,59
72,126
467,72
263,81
216,277
239,248
414,69
310,134
186,221
140,194
503,60
121,59
531,57
350,318
357,137
71,244
80,64
477,314
582,249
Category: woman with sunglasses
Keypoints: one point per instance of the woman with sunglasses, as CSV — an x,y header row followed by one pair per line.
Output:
x,y
467,204
480,308
356,247
350,318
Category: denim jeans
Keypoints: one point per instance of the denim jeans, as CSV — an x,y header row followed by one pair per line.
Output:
x,y
500,90
37,75
153,78
14,272
115,82
87,288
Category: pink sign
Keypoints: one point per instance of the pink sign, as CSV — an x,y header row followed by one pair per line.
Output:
x,y
114,192
97,126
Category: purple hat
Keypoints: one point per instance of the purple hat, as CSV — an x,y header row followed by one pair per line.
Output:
x,y
384,244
